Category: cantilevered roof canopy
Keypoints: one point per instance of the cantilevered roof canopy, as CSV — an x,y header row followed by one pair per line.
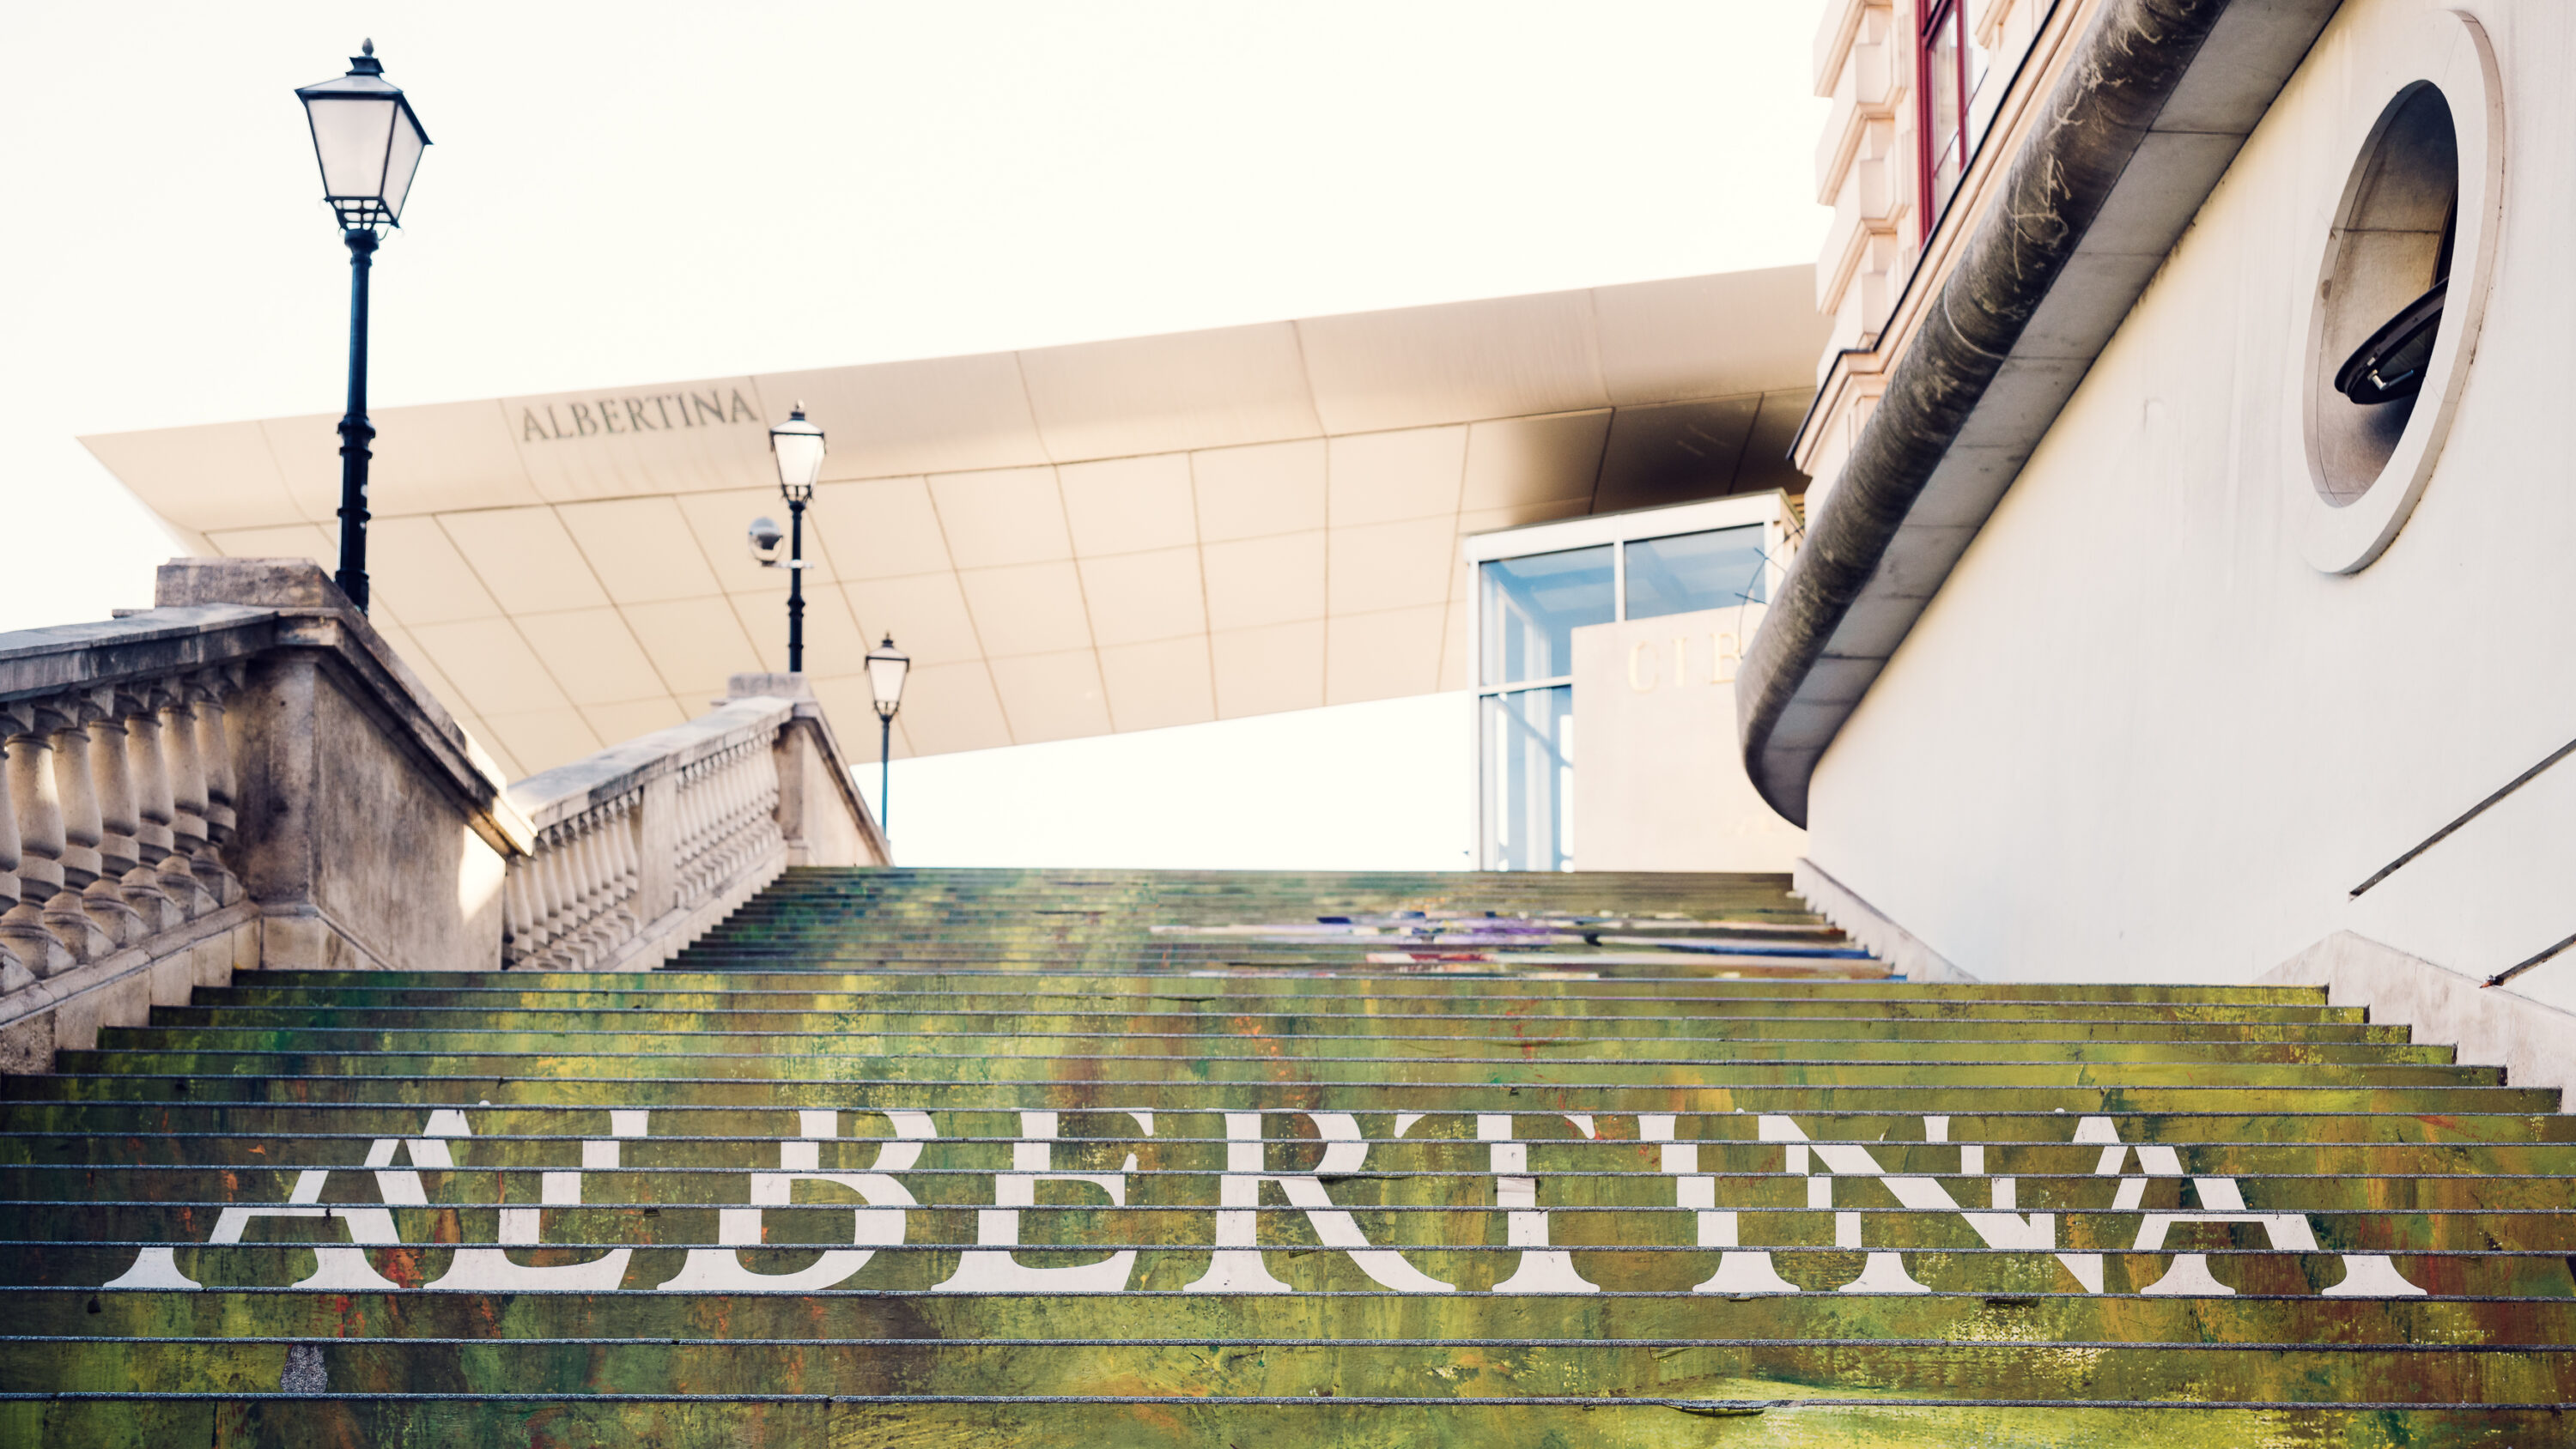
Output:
x,y
1068,541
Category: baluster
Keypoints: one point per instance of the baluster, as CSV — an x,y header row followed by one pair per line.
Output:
x,y
743,792
184,781
584,858
46,945
760,814
111,792
85,827
44,902
630,862
599,886
120,850
17,971
683,827
719,818
215,757
568,886
711,844
724,789
550,893
690,802
514,914
542,908
601,849
765,814
76,803
532,911
724,800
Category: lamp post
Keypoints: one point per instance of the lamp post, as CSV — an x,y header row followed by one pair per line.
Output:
x,y
368,143
887,666
798,447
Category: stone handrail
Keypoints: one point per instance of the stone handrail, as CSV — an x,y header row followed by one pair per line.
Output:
x,y
248,776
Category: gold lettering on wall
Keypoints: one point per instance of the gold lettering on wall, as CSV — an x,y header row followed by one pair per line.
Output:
x,y
1645,675
662,412
1641,681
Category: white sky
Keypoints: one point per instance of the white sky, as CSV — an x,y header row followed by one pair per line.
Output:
x,y
644,191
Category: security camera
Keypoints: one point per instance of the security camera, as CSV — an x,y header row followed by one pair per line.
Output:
x,y
767,538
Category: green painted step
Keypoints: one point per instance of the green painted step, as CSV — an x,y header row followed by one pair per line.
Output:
x,y
1034,1156
1215,1043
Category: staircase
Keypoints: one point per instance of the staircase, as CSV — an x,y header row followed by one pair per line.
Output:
x,y
936,1157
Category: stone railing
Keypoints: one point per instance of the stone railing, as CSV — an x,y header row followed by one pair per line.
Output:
x,y
247,776
643,847
118,795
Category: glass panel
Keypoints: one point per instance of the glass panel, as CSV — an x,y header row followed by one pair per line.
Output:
x,y
1945,109
1528,750
1533,605
1715,570
401,162
350,137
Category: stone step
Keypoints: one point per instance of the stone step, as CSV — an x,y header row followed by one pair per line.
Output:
x,y
858,1316
2353,1173
1602,1222
2386,1086
1751,1412
1381,987
1202,995
1054,1361
1217,1044
641,1017
2206,1265
2454,1138
701,1170
2425,1111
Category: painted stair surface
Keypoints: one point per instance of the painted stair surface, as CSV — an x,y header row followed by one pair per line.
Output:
x,y
951,1157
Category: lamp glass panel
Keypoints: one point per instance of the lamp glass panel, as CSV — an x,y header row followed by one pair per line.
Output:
x,y
402,160
800,458
885,678
1719,569
350,135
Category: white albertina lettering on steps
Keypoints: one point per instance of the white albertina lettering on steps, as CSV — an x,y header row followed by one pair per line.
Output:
x,y
341,1234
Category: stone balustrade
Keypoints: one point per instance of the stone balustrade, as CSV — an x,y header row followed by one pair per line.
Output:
x,y
247,776
642,848
114,807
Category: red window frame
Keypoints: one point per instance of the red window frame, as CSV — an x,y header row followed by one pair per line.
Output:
x,y
1939,16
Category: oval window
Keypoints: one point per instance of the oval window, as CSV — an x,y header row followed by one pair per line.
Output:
x,y
2409,230
2379,309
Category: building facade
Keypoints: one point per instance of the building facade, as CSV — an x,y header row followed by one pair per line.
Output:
x,y
2183,597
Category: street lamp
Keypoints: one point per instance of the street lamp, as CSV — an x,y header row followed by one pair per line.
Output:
x,y
369,144
798,448
887,666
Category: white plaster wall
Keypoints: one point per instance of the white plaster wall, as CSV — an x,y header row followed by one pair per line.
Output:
x,y
2137,736
1658,782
